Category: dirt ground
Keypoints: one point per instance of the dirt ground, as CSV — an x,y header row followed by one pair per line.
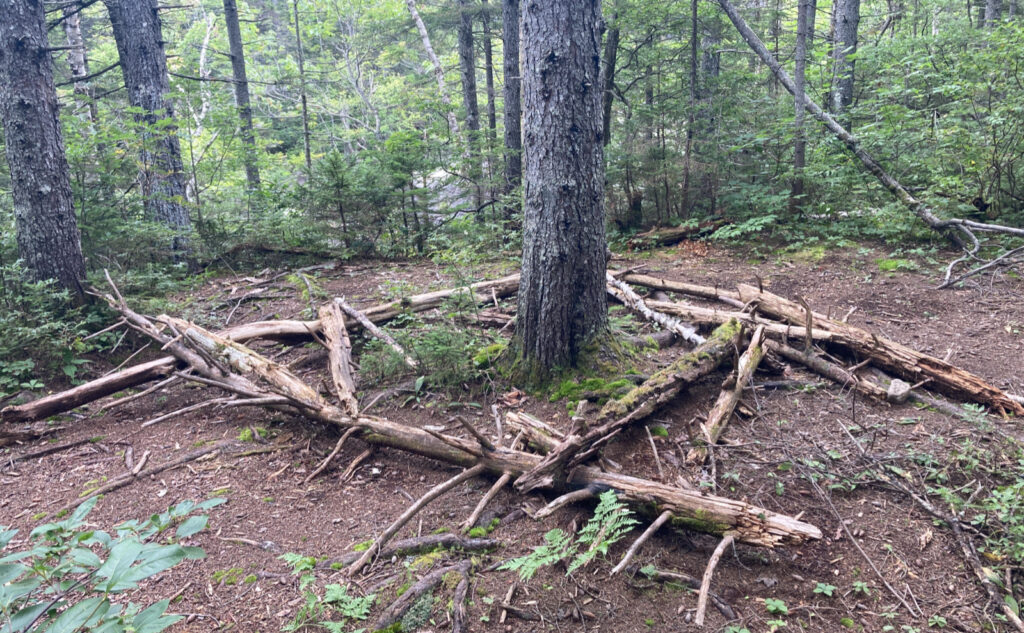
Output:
x,y
794,456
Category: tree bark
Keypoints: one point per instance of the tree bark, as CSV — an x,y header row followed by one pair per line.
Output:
x,y
139,37
799,133
467,67
44,214
512,94
78,61
492,114
611,51
241,85
562,306
302,86
993,13
846,18
442,87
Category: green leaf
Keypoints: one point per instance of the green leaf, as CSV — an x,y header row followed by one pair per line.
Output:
x,y
153,620
122,556
191,526
26,616
81,615
1012,603
9,572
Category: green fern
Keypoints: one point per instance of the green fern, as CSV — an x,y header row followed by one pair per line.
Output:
x,y
612,520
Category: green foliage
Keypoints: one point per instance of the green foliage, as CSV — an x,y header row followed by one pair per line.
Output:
x,y
612,520
775,606
320,609
825,589
71,576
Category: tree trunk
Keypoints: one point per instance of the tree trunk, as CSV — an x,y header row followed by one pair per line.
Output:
x,y
562,306
78,61
442,87
611,50
241,83
691,108
302,85
993,12
846,15
139,37
492,114
799,133
44,213
467,67
512,94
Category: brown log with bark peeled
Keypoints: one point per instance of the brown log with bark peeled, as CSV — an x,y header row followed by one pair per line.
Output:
x,y
339,349
640,402
727,400
909,364
829,370
707,513
162,367
681,287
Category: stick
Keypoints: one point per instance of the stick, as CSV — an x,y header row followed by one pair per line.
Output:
x,y
183,411
564,500
126,479
705,583
654,450
662,575
392,529
635,547
359,459
487,498
719,416
634,302
376,331
339,349
459,603
398,608
327,460
142,394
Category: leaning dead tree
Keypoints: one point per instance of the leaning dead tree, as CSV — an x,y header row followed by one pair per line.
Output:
x,y
962,232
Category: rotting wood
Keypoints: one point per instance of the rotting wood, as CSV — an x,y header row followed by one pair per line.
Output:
x,y
828,370
907,363
720,413
419,545
339,349
681,287
640,402
668,236
394,612
621,291
707,513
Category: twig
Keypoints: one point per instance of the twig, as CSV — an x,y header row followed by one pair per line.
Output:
x,y
432,494
564,500
183,411
654,449
480,438
359,459
487,498
635,547
376,331
705,583
334,453
142,394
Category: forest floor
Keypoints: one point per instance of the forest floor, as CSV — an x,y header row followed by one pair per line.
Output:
x,y
795,436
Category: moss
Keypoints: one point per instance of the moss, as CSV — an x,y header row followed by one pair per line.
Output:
x,y
229,577
362,547
426,561
245,435
251,578
486,356
699,522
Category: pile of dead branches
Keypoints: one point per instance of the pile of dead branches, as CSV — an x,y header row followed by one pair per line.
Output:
x,y
768,328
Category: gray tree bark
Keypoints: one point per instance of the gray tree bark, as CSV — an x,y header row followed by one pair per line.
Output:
x,y
847,19
78,61
44,214
611,51
993,12
241,84
302,86
467,67
139,38
562,306
799,133
512,93
492,114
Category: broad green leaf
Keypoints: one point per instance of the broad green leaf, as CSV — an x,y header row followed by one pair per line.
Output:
x,y
153,620
81,615
9,572
191,526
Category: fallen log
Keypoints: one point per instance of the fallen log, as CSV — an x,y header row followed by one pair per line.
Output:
x,y
668,236
828,370
621,291
681,287
720,413
899,359
640,402
286,329
691,509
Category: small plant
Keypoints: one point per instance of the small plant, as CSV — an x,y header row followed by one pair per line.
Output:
x,y
861,587
937,622
825,589
70,577
318,611
612,520
776,606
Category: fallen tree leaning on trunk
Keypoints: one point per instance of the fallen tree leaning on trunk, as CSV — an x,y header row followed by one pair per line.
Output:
x,y
958,230
236,368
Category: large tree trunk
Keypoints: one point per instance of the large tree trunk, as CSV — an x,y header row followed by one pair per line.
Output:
x,y
512,94
846,16
492,113
44,214
467,67
562,305
139,37
241,83
993,12
799,133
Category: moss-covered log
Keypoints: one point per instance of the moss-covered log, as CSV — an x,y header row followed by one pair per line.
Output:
x,y
636,405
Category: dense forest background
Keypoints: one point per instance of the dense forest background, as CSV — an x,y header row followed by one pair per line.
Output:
x,y
363,146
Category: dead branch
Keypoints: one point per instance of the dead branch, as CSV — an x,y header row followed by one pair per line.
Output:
x,y
909,364
420,544
635,547
183,411
327,460
376,331
719,416
560,502
339,350
616,415
694,290
705,583
487,498
661,575
621,291
397,609
392,529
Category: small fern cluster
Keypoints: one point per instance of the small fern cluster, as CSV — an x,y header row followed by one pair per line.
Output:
x,y
612,520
